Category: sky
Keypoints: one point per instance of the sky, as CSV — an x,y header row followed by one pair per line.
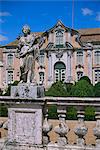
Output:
x,y
41,15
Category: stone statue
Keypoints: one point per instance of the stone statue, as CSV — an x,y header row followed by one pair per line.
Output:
x,y
28,49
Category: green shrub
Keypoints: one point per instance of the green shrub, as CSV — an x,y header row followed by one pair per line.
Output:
x,y
89,113
71,113
86,78
97,89
59,89
82,89
52,112
3,110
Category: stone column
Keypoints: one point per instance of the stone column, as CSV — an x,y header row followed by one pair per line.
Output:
x,y
80,130
69,75
69,36
96,131
89,57
49,68
62,129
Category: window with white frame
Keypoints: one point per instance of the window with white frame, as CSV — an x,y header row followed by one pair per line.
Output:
x,y
97,57
9,77
9,59
57,75
79,75
62,74
60,71
41,77
41,58
59,38
80,57
97,75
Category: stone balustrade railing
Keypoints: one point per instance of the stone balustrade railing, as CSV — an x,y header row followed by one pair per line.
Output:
x,y
40,105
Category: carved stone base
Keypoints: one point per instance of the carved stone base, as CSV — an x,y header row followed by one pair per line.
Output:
x,y
62,141
24,90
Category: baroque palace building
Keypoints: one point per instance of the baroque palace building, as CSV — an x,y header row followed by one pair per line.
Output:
x,y
66,55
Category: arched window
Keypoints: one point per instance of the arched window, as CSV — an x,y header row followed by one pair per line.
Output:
x,y
59,38
79,75
97,57
60,71
79,57
10,59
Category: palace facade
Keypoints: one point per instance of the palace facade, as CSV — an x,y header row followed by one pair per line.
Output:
x,y
66,55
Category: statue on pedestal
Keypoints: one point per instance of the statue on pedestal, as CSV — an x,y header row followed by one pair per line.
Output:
x,y
28,50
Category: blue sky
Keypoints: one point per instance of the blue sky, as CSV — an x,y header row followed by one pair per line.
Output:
x,y
41,15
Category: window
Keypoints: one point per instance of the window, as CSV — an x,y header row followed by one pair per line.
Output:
x,y
79,75
97,57
97,75
10,77
60,71
57,75
41,77
62,74
80,57
41,58
59,38
10,59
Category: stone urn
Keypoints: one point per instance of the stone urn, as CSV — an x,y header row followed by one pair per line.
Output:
x,y
80,130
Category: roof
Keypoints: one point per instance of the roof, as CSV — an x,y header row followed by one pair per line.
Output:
x,y
90,35
89,31
59,22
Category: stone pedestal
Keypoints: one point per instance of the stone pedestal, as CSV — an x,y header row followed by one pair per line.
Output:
x,y
25,125
25,90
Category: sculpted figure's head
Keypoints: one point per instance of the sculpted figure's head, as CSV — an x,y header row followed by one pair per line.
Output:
x,y
26,29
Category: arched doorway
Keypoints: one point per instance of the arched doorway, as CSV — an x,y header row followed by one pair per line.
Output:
x,y
59,71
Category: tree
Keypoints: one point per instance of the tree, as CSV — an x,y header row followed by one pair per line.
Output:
x,y
82,89
97,89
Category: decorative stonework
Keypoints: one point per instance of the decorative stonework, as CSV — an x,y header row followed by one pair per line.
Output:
x,y
80,130
47,127
25,90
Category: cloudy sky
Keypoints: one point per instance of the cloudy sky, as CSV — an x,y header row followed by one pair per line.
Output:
x,y
41,15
